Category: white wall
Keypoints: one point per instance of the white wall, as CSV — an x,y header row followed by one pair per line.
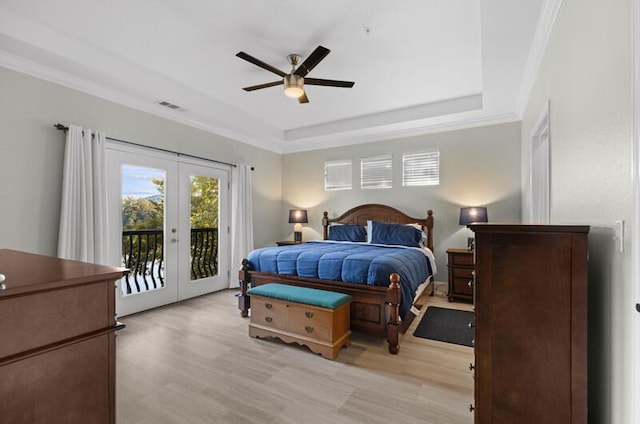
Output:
x,y
586,75
31,156
478,167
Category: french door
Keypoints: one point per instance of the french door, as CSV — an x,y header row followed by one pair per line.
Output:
x,y
169,225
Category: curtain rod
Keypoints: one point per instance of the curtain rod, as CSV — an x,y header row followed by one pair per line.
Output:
x,y
64,128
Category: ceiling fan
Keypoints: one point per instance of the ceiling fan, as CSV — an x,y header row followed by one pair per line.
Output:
x,y
294,81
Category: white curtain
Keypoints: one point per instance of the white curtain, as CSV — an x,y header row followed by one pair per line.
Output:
x,y
83,216
241,219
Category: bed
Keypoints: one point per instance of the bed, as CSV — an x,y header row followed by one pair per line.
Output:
x,y
378,308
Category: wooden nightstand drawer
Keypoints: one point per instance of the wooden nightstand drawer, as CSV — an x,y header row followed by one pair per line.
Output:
x,y
460,264
465,258
461,286
463,273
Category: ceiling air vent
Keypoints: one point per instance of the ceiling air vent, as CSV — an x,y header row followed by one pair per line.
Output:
x,y
171,106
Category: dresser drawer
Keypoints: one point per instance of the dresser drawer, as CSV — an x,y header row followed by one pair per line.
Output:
x,y
40,319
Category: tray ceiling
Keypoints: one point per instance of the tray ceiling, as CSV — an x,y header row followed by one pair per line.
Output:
x,y
418,66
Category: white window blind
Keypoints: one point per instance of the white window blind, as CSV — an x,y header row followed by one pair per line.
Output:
x,y
337,175
420,169
376,172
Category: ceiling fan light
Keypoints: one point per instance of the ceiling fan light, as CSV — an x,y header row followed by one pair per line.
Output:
x,y
293,91
293,86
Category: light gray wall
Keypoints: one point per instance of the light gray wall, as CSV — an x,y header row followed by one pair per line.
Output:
x,y
31,156
585,73
478,167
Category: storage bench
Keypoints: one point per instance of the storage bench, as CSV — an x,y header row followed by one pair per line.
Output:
x,y
314,318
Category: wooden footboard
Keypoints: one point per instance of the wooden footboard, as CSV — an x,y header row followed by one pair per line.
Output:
x,y
368,307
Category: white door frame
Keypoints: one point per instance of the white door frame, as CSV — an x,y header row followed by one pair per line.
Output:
x,y
116,156
175,256
539,165
634,326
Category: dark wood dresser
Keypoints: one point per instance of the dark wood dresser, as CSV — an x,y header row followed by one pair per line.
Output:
x,y
530,324
460,264
57,340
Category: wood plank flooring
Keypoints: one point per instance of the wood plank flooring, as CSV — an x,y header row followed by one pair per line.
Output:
x,y
193,362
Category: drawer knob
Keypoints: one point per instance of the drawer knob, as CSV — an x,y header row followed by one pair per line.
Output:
x,y
308,314
3,286
471,324
268,305
268,319
471,407
471,366
308,328
470,284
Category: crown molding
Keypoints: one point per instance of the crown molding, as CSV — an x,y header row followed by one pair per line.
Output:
x,y
548,15
34,69
381,134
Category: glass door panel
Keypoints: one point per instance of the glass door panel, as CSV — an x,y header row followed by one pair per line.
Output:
x,y
142,228
204,222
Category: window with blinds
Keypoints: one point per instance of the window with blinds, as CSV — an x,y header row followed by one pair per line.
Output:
x,y
420,169
337,175
376,172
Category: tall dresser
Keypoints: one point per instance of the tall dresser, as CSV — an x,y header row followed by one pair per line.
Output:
x,y
530,324
57,340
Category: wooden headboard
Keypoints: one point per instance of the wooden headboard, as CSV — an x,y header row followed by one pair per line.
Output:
x,y
382,213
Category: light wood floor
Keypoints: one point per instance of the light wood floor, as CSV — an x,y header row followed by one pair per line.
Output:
x,y
193,362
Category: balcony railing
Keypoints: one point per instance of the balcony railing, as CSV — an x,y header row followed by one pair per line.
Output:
x,y
143,254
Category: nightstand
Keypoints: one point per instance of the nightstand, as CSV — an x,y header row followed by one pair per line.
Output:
x,y
460,264
288,242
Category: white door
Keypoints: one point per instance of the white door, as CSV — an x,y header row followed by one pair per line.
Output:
x,y
204,230
165,216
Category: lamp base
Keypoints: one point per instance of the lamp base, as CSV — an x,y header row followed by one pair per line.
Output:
x,y
297,236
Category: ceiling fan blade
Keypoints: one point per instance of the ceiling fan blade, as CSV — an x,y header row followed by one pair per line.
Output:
x,y
258,62
303,98
260,86
329,83
312,61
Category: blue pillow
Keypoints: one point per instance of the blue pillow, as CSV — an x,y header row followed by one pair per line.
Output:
x,y
398,234
347,233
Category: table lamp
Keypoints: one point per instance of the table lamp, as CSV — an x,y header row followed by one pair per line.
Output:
x,y
297,217
471,215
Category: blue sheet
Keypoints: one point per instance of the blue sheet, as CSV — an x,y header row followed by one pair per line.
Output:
x,y
358,263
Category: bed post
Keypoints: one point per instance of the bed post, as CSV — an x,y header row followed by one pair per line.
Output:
x,y
430,229
325,225
244,302
393,325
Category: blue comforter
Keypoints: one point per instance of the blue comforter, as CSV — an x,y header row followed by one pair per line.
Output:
x,y
358,263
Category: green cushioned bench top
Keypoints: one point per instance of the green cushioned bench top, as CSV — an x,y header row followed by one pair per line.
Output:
x,y
304,295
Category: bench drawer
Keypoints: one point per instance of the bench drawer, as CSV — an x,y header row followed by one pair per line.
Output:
x,y
310,322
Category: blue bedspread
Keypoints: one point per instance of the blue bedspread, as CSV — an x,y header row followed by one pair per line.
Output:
x,y
359,263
